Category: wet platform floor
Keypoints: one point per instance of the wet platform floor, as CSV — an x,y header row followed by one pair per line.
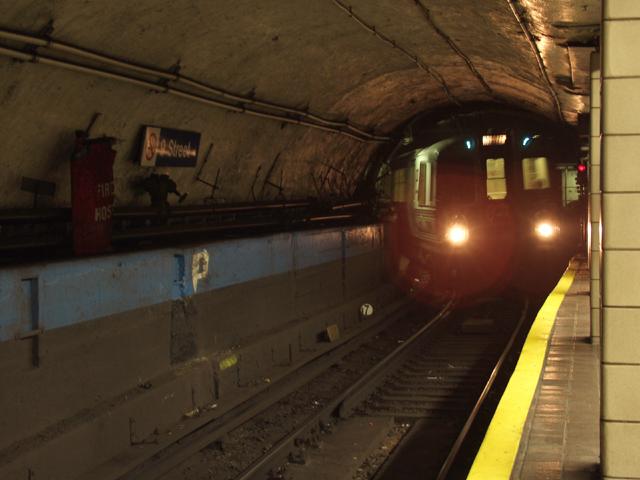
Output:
x,y
561,439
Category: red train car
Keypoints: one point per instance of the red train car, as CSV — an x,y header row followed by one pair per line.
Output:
x,y
480,202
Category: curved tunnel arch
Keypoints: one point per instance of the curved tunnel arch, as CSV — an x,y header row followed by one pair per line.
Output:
x,y
312,56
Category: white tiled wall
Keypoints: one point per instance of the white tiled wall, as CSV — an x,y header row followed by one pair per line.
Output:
x,y
621,239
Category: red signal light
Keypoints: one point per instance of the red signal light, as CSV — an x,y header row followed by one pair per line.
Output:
x,y
582,167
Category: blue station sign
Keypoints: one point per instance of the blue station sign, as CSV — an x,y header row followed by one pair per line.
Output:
x,y
168,147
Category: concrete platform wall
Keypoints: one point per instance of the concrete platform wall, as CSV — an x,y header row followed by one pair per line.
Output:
x,y
100,332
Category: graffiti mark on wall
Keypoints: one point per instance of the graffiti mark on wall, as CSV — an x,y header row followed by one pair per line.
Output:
x,y
199,267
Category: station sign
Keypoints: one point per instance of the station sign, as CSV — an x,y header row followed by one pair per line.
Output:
x,y
168,147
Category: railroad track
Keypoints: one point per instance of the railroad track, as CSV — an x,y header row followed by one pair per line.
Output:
x,y
269,465
441,389
432,375
361,352
437,392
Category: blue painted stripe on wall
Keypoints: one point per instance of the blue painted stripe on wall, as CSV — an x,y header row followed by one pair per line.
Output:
x,y
80,290
316,248
246,260
362,240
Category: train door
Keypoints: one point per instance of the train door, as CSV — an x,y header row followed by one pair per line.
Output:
x,y
496,178
499,191
497,238
498,181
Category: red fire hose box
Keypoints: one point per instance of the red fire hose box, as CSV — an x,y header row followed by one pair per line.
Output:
x,y
92,192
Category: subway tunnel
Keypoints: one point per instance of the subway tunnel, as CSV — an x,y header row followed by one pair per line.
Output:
x,y
195,208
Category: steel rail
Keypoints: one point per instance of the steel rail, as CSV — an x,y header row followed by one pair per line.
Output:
x,y
64,213
145,233
176,77
365,385
340,404
139,233
414,58
181,229
538,56
449,41
182,448
180,221
455,449
126,212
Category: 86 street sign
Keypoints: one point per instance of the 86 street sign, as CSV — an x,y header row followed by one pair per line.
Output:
x,y
168,147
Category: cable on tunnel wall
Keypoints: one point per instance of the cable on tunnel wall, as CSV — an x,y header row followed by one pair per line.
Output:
x,y
427,15
18,55
540,62
414,58
314,121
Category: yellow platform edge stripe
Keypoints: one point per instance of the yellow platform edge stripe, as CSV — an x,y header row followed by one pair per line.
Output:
x,y
497,454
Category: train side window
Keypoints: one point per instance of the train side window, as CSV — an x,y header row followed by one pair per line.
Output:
x,y
425,191
535,173
496,179
422,185
424,175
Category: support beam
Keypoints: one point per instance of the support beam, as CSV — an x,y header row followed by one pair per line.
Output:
x,y
595,199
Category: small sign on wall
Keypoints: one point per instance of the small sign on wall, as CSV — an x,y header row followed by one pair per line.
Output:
x,y
168,147
199,267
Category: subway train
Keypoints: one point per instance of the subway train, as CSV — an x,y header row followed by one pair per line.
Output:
x,y
481,202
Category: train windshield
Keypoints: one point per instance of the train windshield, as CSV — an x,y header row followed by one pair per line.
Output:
x,y
496,179
535,173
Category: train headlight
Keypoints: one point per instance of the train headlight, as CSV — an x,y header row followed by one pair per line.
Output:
x,y
457,234
546,229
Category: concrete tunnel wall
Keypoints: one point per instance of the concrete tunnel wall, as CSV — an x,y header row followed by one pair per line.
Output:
x,y
300,54
263,303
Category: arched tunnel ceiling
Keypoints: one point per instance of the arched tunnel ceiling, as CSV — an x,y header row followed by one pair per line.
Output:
x,y
375,64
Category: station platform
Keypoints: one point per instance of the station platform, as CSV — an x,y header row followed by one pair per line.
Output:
x,y
547,424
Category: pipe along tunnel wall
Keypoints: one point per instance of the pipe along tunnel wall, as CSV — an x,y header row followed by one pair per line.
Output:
x,y
102,354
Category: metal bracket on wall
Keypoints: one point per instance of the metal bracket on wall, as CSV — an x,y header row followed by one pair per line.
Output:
x,y
92,122
255,180
345,181
38,188
268,175
319,191
267,179
215,185
279,187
